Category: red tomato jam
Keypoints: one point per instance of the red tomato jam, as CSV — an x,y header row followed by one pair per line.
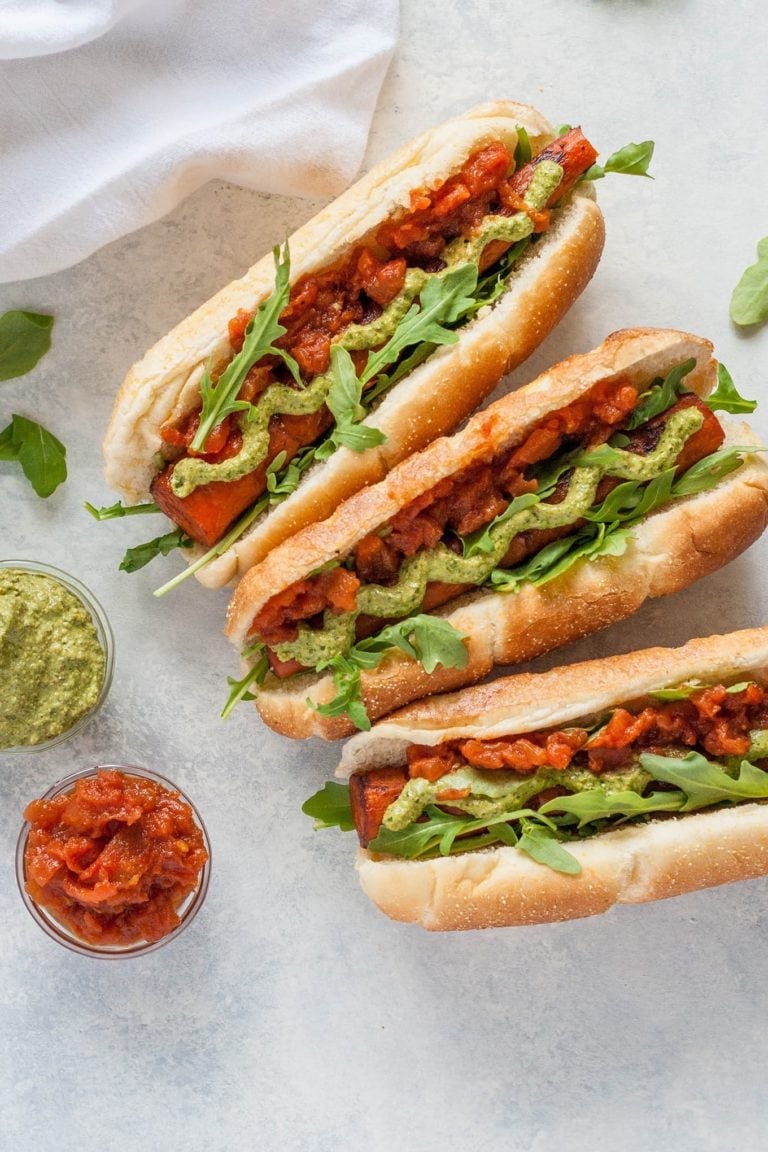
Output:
x,y
113,858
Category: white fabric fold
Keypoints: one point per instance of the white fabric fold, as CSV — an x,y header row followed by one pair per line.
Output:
x,y
103,138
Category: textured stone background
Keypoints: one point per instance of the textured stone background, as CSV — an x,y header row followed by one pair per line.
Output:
x,y
292,1015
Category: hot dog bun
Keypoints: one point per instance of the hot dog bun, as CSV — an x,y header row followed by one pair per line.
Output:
x,y
502,886
670,549
433,399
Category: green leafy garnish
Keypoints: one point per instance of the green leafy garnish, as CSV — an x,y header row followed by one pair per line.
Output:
x,y
330,807
725,397
596,804
552,561
541,844
710,471
749,302
428,639
220,399
631,160
661,395
239,689
344,402
42,457
443,300
25,337
481,541
141,554
523,147
686,690
705,783
115,511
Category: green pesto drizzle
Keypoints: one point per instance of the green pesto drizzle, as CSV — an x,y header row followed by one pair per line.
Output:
x,y
189,473
315,646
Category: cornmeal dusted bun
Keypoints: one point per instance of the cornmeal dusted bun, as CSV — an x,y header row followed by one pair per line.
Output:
x,y
502,886
433,399
668,551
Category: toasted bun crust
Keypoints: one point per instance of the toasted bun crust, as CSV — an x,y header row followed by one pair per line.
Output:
x,y
669,551
502,886
433,399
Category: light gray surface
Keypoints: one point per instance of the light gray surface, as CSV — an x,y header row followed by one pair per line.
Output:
x,y
292,1015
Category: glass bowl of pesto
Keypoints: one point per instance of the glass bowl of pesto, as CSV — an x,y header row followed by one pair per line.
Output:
x,y
114,861
56,656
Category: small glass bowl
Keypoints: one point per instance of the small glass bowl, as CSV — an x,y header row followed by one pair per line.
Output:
x,y
64,935
103,632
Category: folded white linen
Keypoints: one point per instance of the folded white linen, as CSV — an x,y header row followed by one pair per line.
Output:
x,y
100,139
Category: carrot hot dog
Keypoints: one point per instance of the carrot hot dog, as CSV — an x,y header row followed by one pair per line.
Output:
x,y
557,795
386,320
560,509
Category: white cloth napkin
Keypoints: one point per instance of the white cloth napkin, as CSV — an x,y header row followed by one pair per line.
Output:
x,y
112,111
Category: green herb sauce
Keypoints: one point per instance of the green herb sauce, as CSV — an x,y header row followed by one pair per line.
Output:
x,y
311,647
191,472
495,792
51,661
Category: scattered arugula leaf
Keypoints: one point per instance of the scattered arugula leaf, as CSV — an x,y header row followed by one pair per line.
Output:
x,y
595,804
481,541
725,397
749,301
552,561
330,807
631,160
220,399
239,689
708,472
25,337
137,557
42,457
686,690
115,511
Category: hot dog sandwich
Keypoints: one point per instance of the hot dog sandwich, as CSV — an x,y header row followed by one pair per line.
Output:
x,y
553,796
556,511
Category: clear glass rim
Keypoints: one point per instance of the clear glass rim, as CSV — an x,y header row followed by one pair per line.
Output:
x,y
62,935
103,631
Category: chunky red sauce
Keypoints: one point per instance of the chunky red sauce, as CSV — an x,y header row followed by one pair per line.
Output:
x,y
713,720
354,291
113,858
471,499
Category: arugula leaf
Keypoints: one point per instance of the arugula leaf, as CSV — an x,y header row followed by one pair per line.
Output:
x,y
428,639
749,301
631,160
704,782
541,844
42,457
725,397
661,395
561,555
239,688
344,402
595,804
443,300
115,511
523,148
686,690
141,554
25,337
330,807
220,399
709,471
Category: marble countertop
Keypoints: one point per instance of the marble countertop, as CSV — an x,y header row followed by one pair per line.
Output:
x,y
292,1015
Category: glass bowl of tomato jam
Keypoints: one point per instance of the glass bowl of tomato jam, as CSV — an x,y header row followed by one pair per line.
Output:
x,y
57,655
113,861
